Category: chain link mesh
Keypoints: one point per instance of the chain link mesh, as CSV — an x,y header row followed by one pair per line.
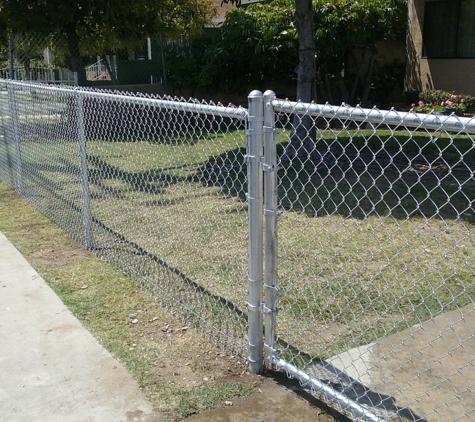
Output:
x,y
165,185
36,57
375,233
377,256
46,58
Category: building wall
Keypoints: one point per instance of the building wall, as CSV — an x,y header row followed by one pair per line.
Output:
x,y
423,74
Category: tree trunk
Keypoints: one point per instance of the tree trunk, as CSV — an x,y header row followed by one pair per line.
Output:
x,y
113,70
11,57
24,61
358,75
367,82
303,134
73,44
327,84
306,89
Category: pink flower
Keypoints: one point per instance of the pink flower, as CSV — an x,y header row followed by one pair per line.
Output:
x,y
449,103
413,105
442,103
453,97
421,103
462,100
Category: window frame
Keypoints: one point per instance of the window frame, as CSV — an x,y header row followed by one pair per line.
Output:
x,y
455,43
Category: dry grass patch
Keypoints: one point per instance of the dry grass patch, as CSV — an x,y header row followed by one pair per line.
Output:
x,y
179,370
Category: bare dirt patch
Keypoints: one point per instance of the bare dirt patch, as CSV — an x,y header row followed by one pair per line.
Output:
x,y
187,360
65,255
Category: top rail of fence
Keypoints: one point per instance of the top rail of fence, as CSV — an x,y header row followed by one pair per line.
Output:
x,y
375,116
190,105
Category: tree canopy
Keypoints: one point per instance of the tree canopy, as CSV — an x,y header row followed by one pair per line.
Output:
x,y
97,26
259,46
326,43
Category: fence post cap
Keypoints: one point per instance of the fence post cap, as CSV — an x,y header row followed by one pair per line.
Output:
x,y
255,94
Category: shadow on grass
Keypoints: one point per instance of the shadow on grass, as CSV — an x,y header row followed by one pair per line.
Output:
x,y
349,180
353,179
165,283
227,171
402,178
7,158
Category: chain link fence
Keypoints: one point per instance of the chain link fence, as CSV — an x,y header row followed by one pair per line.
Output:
x,y
144,67
376,259
355,228
37,57
155,186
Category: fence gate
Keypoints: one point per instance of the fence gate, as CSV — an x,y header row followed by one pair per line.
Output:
x,y
373,305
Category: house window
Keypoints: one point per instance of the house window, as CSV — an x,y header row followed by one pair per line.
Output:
x,y
449,29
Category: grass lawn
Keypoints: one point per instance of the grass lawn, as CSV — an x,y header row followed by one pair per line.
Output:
x,y
377,237
179,371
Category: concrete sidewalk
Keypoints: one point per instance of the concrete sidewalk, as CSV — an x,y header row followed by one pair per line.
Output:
x,y
51,367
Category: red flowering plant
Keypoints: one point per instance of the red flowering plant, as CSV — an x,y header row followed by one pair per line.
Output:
x,y
444,102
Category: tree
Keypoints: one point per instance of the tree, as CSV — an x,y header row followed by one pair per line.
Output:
x,y
302,138
329,32
346,36
104,25
260,45
26,50
254,47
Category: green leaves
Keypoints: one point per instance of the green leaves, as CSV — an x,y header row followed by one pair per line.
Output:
x,y
255,46
104,25
96,27
258,45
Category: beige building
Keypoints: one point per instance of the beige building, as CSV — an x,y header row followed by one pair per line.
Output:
x,y
441,46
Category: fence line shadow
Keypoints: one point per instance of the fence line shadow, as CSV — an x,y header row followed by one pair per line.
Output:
x,y
344,180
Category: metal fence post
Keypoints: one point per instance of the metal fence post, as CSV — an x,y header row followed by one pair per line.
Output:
x,y
10,167
11,56
16,138
271,214
255,204
2,114
86,216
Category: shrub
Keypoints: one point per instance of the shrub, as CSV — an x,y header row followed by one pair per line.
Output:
x,y
442,101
